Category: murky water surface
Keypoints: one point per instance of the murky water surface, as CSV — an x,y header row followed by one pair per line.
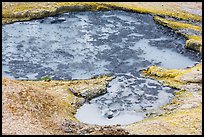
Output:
x,y
80,45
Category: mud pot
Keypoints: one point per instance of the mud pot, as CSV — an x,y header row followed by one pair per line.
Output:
x,y
81,45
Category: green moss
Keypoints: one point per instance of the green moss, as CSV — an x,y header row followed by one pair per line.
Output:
x,y
46,78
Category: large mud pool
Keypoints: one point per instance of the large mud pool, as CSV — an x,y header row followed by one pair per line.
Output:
x,y
80,45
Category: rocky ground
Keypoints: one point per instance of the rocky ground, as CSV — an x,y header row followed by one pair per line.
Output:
x,y
42,107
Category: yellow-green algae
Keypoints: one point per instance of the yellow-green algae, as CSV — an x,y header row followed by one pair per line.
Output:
x,y
176,25
155,8
31,10
194,43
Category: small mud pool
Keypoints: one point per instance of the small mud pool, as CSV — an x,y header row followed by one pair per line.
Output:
x,y
80,45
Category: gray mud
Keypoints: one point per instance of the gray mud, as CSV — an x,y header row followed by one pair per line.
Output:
x,y
80,45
